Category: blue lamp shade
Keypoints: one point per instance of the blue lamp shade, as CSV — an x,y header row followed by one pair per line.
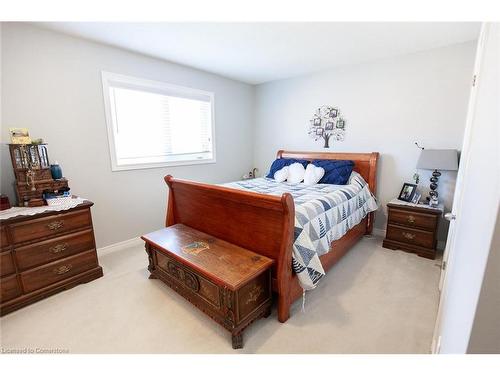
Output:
x,y
444,160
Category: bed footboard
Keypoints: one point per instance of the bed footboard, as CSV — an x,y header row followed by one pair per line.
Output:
x,y
259,222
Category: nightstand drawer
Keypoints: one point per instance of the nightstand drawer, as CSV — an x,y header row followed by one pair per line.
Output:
x,y
410,236
412,219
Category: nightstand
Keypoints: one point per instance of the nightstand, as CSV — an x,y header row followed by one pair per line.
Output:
x,y
412,228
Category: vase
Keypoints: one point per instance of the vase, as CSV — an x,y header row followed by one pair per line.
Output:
x,y
56,171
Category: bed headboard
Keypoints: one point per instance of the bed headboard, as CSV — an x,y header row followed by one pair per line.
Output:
x,y
364,163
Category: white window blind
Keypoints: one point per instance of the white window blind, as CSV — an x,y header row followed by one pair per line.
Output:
x,y
153,124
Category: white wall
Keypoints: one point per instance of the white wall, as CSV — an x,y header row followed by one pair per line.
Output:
x,y
388,105
52,85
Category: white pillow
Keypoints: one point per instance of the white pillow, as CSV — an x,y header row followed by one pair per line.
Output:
x,y
313,174
281,175
296,173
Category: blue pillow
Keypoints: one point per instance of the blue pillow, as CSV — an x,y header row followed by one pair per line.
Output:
x,y
337,172
280,163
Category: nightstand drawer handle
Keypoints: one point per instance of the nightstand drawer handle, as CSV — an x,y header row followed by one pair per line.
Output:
x,y
55,225
58,248
63,269
411,219
409,236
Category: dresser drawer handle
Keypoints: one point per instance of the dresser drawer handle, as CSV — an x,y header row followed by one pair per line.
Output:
x,y
411,219
409,236
58,248
62,270
55,225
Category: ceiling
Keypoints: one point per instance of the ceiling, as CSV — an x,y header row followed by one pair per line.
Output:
x,y
261,52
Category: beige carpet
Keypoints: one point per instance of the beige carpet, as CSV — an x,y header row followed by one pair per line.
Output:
x,y
374,300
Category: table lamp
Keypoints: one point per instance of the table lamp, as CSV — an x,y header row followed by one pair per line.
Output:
x,y
445,160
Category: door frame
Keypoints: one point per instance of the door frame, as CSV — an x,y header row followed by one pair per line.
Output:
x,y
462,173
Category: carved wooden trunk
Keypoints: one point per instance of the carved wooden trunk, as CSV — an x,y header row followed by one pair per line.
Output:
x,y
230,284
44,254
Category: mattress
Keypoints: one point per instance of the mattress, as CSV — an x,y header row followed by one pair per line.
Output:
x,y
323,213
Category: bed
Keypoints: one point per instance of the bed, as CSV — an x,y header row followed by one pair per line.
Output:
x,y
264,223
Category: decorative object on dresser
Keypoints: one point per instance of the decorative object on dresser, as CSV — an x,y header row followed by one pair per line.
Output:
x,y
33,173
45,253
412,228
437,160
327,122
230,284
4,202
19,136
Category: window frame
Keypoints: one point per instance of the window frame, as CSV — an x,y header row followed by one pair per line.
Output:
x,y
109,78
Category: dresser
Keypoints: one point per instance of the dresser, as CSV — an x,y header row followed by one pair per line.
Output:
x,y
412,228
44,254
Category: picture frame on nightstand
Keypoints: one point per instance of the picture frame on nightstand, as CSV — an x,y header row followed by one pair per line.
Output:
x,y
407,192
416,198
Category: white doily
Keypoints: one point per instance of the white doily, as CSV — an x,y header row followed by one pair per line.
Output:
x,y
18,211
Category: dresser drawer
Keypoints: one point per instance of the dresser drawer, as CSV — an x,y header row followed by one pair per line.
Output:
x,y
410,236
189,281
6,264
9,288
412,219
57,271
50,226
56,248
4,241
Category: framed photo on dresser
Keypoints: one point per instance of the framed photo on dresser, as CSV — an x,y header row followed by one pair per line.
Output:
x,y
407,192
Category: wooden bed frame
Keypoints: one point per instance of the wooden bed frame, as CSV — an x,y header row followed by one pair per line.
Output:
x,y
263,223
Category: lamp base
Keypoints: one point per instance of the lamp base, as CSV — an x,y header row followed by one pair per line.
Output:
x,y
432,199
434,202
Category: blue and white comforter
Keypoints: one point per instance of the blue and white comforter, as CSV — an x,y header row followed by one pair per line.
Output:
x,y
323,213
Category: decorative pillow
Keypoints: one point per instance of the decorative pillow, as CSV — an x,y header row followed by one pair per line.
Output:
x,y
313,174
281,175
283,162
296,173
337,172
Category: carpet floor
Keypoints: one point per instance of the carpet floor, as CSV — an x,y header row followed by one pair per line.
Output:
x,y
374,300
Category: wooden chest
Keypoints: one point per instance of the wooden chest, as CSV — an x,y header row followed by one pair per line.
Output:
x,y
44,254
412,228
230,284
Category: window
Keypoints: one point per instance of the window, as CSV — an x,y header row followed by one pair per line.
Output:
x,y
154,124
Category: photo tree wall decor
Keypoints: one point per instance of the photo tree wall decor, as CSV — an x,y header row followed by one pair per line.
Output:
x,y
327,123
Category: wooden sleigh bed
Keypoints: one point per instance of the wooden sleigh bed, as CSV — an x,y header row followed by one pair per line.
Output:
x,y
263,223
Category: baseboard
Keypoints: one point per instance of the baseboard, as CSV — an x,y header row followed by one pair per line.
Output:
x,y
120,246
